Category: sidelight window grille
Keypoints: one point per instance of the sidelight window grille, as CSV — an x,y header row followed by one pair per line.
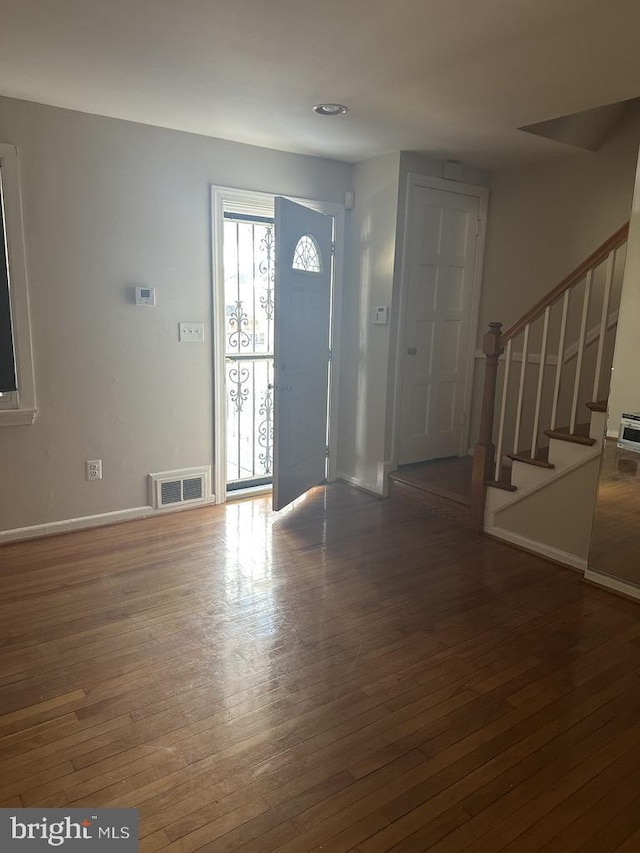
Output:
x,y
249,277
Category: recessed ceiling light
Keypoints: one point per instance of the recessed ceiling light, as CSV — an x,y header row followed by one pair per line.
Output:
x,y
330,109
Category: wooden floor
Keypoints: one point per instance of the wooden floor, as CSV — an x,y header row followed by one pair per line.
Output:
x,y
615,541
345,676
450,477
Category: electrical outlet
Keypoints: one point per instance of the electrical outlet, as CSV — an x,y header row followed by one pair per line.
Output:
x,y
93,469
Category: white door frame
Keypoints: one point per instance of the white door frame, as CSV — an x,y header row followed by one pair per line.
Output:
x,y
482,194
261,203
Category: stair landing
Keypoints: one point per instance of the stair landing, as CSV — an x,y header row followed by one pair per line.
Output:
x,y
441,487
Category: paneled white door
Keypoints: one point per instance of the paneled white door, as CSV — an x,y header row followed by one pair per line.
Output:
x,y
442,237
302,327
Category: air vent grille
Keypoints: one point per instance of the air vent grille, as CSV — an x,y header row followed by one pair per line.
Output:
x,y
171,493
170,488
192,489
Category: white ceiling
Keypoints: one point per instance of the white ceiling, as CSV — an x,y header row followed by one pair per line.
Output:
x,y
452,78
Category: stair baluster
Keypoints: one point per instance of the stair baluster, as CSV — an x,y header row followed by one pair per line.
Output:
x,y
515,405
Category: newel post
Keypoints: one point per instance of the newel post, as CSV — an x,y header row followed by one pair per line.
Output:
x,y
484,452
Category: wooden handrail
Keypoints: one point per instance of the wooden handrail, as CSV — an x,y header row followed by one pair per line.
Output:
x,y
579,272
486,468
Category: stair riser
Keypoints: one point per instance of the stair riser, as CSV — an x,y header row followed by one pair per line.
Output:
x,y
598,426
526,476
562,454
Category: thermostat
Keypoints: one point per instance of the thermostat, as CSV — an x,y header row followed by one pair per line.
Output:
x,y
145,296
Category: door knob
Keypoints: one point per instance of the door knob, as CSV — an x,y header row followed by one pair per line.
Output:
x,y
412,350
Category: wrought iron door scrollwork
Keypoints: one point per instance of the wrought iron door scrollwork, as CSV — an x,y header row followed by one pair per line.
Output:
x,y
265,430
238,375
267,271
238,320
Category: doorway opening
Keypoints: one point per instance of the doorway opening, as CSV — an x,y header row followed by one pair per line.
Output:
x,y
249,272
267,356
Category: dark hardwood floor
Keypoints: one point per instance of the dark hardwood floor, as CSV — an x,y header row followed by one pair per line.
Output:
x,y
347,675
447,477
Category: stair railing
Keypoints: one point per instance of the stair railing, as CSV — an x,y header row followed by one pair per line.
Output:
x,y
515,344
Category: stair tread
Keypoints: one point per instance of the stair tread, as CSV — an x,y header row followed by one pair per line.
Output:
x,y
501,484
580,435
541,459
598,406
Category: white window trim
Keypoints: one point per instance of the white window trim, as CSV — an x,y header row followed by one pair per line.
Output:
x,y
23,401
255,202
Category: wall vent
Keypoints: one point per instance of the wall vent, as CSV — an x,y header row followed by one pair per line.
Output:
x,y
188,486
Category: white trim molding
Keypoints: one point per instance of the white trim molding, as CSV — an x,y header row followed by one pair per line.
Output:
x,y
608,582
17,417
103,519
572,561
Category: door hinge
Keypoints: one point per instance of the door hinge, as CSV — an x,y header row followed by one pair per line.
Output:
x,y
333,250
478,227
330,354
326,451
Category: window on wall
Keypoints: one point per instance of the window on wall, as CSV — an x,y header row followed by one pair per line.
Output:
x,y
17,394
8,377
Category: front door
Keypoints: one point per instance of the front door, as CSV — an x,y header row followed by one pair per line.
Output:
x,y
441,260
301,364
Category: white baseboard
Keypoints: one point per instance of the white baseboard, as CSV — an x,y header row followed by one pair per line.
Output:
x,y
556,554
360,484
608,582
36,531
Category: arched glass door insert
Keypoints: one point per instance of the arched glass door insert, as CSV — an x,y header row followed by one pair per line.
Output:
x,y
306,256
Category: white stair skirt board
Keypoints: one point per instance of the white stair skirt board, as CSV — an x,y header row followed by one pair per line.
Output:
x,y
498,499
69,525
609,582
572,561
566,456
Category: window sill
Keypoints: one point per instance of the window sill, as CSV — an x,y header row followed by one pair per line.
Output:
x,y
17,417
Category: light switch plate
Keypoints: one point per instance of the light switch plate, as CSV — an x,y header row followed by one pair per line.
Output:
x,y
191,333
381,315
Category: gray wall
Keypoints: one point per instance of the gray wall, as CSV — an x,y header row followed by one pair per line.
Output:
x,y
107,204
544,219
